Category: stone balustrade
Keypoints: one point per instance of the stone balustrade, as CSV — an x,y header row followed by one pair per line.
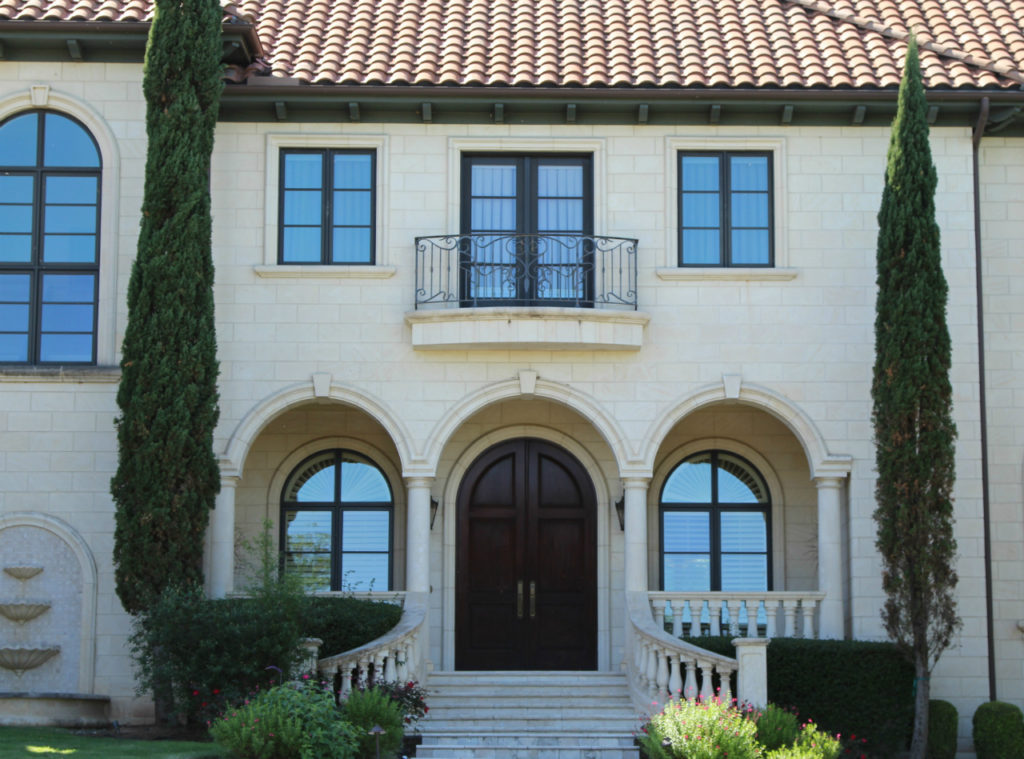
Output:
x,y
398,655
661,667
768,614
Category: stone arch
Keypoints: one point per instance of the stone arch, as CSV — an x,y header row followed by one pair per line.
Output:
x,y
247,430
42,96
527,387
819,460
87,565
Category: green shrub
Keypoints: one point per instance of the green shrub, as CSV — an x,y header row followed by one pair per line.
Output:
x,y
344,623
691,729
860,710
998,731
942,730
286,722
776,727
368,708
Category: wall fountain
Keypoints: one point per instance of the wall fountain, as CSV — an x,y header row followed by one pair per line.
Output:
x,y
46,591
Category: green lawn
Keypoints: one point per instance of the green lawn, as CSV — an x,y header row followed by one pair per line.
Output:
x,y
51,743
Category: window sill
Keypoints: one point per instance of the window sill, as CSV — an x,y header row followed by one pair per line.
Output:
x,y
100,375
320,271
726,273
526,328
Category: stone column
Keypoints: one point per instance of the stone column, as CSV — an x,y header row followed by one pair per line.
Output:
x,y
830,557
635,559
752,658
222,539
417,534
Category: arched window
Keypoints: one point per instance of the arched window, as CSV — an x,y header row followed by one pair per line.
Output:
x,y
715,525
49,240
337,523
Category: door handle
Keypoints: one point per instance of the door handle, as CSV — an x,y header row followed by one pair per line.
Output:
x,y
519,599
533,599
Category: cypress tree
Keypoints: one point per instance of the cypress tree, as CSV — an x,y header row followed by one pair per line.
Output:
x,y
913,425
167,475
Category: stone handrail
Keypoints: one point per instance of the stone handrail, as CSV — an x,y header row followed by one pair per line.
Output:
x,y
660,667
395,656
781,614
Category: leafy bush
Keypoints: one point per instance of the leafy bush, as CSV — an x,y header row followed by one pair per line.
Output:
x,y
286,722
372,707
942,730
882,718
344,623
998,731
776,727
691,729
410,696
202,654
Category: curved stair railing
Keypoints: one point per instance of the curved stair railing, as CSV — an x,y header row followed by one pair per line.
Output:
x,y
395,656
661,668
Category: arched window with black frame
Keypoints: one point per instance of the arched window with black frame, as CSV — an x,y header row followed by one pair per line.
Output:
x,y
715,514
337,523
50,171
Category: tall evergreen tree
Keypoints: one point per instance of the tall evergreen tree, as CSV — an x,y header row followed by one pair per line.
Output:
x,y
914,430
167,475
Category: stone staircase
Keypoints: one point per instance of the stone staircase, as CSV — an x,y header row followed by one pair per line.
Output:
x,y
528,715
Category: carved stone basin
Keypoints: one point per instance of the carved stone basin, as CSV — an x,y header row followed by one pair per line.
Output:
x,y
20,658
23,573
24,610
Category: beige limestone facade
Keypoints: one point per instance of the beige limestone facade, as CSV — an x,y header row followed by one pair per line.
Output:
x,y
770,364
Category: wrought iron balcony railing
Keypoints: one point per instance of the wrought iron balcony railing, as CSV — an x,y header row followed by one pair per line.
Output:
x,y
507,269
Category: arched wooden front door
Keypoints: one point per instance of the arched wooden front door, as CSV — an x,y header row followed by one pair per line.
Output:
x,y
526,564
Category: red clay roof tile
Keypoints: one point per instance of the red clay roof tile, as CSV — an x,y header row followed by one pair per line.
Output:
x,y
611,43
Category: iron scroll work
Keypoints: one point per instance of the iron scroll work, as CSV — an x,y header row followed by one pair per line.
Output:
x,y
505,269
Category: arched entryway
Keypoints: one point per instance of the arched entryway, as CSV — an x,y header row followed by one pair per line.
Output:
x,y
526,561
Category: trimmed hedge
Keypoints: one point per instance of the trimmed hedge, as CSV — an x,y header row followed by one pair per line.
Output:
x,y
344,623
215,651
856,688
998,731
942,729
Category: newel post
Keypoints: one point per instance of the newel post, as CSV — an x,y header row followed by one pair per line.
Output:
x,y
752,656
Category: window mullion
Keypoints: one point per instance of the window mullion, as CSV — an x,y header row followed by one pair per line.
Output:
x,y
327,182
725,215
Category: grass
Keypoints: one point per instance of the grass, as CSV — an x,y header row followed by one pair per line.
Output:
x,y
54,743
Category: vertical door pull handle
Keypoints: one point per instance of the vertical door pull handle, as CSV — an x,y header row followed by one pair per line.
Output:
x,y
519,599
533,599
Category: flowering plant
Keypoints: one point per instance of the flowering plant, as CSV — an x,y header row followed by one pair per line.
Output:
x,y
411,696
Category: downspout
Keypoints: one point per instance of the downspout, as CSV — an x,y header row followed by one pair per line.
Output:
x,y
979,131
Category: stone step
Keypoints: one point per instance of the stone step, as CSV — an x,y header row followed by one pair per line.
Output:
x,y
534,746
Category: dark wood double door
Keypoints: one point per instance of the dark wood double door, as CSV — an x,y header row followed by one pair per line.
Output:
x,y
526,565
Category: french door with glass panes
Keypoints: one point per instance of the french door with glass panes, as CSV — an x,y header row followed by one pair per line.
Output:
x,y
528,226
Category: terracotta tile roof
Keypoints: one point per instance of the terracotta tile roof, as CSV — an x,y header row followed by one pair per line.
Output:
x,y
611,43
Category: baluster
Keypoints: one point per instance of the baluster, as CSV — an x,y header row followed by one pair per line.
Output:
x,y
706,688
725,676
663,692
652,671
658,609
716,617
771,612
640,662
345,671
677,618
753,618
789,607
390,668
690,689
378,666
807,607
675,680
734,616
402,665
363,672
